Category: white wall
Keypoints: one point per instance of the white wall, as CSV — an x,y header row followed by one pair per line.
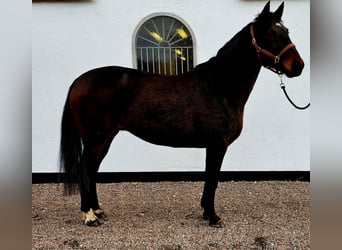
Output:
x,y
71,38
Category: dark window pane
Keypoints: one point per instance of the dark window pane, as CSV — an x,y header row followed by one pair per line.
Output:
x,y
164,46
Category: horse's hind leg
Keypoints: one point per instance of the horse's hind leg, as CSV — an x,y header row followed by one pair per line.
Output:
x,y
93,153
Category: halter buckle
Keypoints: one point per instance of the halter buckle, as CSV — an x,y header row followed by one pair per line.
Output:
x,y
276,59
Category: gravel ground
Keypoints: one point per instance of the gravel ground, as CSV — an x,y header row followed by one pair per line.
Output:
x,y
167,215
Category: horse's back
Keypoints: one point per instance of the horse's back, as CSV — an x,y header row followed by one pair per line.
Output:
x,y
106,84
107,77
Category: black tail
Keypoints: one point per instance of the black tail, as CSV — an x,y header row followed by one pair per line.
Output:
x,y
70,151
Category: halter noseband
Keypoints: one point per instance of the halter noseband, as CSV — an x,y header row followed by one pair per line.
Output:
x,y
276,58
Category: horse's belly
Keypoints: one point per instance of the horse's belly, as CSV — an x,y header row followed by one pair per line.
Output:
x,y
169,138
166,122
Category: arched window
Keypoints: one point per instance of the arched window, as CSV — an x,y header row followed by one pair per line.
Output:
x,y
164,45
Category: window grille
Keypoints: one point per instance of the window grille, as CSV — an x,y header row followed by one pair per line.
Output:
x,y
163,45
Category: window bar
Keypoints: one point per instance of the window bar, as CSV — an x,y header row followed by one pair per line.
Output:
x,y
147,40
170,57
170,29
175,34
141,59
155,27
163,28
159,61
177,41
164,62
187,59
148,63
182,62
176,62
153,67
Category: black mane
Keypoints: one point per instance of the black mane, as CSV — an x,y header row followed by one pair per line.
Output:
x,y
229,51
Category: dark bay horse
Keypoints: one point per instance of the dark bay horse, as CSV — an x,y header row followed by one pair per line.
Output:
x,y
202,108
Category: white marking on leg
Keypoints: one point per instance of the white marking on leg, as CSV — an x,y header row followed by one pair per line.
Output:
x,y
99,211
89,216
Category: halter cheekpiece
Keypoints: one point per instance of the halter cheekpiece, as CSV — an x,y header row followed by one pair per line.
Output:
x,y
276,58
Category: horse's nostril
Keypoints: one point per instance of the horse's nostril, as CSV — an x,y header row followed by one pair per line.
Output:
x,y
297,66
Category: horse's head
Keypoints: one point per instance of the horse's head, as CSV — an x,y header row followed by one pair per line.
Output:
x,y
271,39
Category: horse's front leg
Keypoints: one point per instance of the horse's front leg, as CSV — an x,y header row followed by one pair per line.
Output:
x,y
214,158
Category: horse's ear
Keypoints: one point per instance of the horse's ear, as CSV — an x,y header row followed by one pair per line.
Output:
x,y
279,12
266,9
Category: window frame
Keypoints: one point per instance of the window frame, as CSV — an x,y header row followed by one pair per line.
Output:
x,y
159,14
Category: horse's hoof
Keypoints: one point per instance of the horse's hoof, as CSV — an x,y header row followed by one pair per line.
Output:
x,y
91,218
94,223
101,216
218,224
214,221
205,217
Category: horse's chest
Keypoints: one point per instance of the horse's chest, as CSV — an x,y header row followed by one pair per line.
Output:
x,y
217,122
235,129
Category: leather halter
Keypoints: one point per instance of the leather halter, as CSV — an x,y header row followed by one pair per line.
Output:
x,y
276,58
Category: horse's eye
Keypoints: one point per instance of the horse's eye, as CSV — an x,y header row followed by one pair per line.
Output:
x,y
271,34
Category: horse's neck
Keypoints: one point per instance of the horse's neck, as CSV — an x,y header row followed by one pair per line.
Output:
x,y
236,67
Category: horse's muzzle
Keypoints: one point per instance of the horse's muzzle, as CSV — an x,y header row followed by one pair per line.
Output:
x,y
296,69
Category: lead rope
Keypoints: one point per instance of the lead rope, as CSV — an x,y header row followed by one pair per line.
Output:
x,y
282,86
